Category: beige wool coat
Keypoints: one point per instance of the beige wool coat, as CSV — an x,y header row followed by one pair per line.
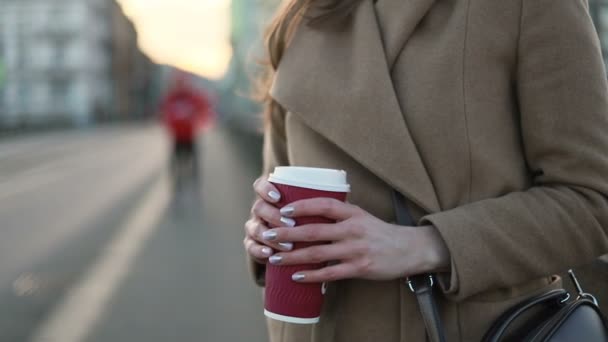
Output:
x,y
491,116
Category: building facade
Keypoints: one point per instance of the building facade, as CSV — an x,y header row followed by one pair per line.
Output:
x,y
132,72
249,20
65,62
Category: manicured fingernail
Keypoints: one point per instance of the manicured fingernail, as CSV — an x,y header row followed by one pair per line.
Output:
x,y
267,251
286,245
287,211
275,259
269,235
275,196
288,222
298,277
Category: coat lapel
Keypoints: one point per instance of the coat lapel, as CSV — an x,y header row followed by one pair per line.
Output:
x,y
339,83
397,20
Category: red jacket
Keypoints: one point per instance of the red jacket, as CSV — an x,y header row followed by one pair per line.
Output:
x,y
185,111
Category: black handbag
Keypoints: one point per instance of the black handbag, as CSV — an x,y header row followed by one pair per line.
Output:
x,y
548,317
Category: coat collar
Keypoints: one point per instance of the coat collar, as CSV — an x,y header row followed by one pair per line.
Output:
x,y
339,83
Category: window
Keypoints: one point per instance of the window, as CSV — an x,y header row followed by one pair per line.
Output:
x,y
60,95
23,93
59,55
2,79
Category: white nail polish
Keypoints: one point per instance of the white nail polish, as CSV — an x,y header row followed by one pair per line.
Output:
x,y
288,222
267,251
269,235
275,259
286,245
298,277
287,211
274,195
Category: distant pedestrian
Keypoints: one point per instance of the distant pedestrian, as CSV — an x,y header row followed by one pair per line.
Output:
x,y
186,111
490,117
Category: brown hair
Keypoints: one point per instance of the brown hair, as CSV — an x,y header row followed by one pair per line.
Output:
x,y
318,13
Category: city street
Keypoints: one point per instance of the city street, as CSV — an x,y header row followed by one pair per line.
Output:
x,y
103,241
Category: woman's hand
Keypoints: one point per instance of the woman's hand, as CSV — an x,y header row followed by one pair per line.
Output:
x,y
264,212
364,246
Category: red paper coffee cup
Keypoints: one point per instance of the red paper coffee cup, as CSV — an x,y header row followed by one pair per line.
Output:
x,y
286,300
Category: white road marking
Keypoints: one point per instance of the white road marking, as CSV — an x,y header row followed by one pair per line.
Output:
x,y
78,313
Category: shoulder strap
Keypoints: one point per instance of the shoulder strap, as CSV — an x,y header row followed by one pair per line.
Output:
x,y
420,285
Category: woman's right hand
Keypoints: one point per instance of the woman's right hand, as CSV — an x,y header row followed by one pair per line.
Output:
x,y
263,213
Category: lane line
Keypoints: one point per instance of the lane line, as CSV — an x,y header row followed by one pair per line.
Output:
x,y
78,313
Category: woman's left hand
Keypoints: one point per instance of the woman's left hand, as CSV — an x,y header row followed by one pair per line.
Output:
x,y
365,246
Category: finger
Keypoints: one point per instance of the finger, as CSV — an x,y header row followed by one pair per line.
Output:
x,y
325,207
267,212
257,251
312,233
326,274
254,229
316,254
266,190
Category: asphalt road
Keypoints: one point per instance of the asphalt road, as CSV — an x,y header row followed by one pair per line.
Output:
x,y
101,240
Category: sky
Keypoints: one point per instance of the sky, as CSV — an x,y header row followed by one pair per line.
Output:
x,y
190,34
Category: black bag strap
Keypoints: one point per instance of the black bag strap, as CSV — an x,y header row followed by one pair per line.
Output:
x,y
420,285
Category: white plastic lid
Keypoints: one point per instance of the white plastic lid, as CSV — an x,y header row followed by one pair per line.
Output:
x,y
290,319
311,178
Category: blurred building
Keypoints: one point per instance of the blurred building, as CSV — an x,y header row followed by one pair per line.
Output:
x,y
599,13
68,62
133,73
249,20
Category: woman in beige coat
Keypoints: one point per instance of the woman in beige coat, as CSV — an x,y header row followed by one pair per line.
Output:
x,y
490,116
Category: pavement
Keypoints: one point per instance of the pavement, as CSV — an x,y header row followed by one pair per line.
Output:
x,y
102,240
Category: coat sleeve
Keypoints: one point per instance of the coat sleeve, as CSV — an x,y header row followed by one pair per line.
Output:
x,y
274,154
561,221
